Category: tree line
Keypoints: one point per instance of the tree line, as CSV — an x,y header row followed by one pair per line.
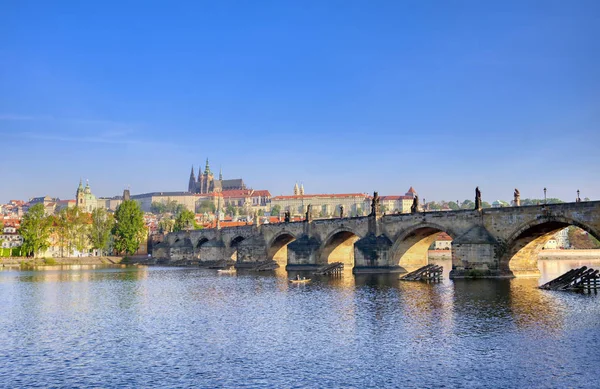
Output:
x,y
73,229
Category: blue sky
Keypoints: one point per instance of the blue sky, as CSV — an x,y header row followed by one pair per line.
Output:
x,y
344,96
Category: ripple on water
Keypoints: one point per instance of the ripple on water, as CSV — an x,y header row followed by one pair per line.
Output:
x,y
165,327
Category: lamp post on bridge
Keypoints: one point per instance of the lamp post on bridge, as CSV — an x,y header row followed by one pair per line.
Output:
x,y
578,199
545,202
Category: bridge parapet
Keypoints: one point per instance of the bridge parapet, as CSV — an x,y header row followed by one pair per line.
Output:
x,y
492,242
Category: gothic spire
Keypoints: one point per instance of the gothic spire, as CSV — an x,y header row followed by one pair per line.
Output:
x,y
296,190
220,173
192,175
207,168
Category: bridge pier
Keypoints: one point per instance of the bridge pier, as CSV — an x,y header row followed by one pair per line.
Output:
x,y
303,253
497,242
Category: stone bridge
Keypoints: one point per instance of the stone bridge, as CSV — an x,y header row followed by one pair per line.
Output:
x,y
493,242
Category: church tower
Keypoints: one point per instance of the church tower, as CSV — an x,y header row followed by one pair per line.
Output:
x,y
79,196
192,183
301,189
296,190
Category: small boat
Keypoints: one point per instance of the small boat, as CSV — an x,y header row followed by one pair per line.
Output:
x,y
299,281
227,271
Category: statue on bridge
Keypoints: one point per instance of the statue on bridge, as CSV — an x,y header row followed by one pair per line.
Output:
x,y
517,199
415,205
286,216
341,211
375,204
477,199
308,217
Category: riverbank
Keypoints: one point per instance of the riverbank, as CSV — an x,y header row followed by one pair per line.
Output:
x,y
569,254
29,262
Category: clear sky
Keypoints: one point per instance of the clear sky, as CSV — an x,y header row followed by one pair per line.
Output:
x,y
343,96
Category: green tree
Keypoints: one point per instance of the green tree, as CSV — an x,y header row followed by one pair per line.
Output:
x,y
467,204
166,224
433,206
275,210
485,204
35,230
129,228
70,226
186,220
158,208
453,206
207,206
99,233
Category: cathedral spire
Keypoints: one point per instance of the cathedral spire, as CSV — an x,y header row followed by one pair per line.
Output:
x,y
220,173
207,168
296,190
192,182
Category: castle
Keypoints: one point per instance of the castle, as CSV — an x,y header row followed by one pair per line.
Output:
x,y
206,183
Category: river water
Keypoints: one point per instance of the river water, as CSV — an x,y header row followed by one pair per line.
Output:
x,y
140,327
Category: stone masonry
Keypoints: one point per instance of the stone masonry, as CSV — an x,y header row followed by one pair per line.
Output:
x,y
495,242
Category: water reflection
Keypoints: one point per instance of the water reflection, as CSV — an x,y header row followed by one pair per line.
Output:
x,y
189,327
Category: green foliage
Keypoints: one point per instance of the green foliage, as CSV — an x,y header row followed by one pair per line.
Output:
x,y
129,228
467,204
485,204
35,230
207,206
432,205
453,206
70,227
99,233
49,261
550,200
275,210
186,220
166,225
171,206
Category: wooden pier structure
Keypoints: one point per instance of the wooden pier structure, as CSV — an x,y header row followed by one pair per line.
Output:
x,y
266,266
429,273
582,279
331,269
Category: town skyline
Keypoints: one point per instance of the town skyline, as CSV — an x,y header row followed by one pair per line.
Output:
x,y
508,197
342,99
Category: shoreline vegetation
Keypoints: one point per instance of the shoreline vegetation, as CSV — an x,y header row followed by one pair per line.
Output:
x,y
24,262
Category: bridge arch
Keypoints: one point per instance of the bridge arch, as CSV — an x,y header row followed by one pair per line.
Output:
x,y
411,246
338,247
198,247
277,247
519,255
233,245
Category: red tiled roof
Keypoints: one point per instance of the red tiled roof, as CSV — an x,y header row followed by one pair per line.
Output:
x,y
395,198
263,193
328,196
443,236
412,190
237,193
